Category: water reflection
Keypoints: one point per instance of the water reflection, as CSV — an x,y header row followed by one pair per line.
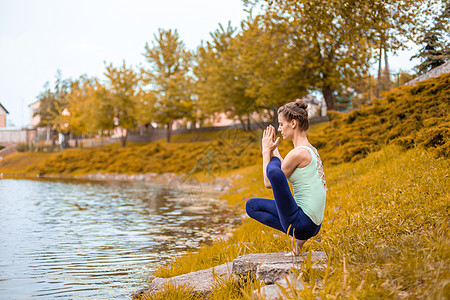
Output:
x,y
97,240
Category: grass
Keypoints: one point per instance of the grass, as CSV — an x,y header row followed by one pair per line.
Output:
x,y
24,163
385,227
386,220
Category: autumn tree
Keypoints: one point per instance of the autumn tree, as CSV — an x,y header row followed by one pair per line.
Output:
x,y
341,35
435,41
84,104
119,99
169,77
273,60
221,78
53,106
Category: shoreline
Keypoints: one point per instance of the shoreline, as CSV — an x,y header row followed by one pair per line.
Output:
x,y
217,184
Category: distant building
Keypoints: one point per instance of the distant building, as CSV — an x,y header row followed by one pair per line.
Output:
x,y
3,113
42,133
33,108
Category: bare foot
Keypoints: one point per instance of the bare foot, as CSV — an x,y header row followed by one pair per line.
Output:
x,y
291,254
297,248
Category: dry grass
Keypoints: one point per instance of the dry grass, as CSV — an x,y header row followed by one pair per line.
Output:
x,y
386,220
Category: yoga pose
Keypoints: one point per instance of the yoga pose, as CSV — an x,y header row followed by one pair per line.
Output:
x,y
302,213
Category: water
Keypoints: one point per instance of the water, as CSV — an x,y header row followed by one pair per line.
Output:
x,y
96,240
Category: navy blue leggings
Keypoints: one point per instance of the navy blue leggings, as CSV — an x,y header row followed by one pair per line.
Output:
x,y
283,211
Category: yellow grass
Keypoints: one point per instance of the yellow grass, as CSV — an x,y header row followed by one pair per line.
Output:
x,y
387,217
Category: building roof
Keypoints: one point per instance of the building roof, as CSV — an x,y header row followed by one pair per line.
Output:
x,y
1,106
34,102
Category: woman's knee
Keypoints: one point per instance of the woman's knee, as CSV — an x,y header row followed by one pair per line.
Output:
x,y
274,172
249,206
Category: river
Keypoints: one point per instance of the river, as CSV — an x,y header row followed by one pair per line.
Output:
x,y
97,240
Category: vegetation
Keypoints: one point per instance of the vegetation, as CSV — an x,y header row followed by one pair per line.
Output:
x,y
287,50
409,116
385,228
435,41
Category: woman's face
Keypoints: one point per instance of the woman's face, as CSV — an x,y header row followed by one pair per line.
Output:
x,y
285,127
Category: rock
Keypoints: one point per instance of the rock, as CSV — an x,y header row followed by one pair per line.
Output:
x,y
271,267
272,291
202,282
268,267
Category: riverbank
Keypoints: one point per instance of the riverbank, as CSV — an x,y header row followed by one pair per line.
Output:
x,y
386,221
385,231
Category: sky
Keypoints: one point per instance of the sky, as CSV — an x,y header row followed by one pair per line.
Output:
x,y
78,36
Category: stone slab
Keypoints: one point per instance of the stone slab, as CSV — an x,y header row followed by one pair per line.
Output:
x,y
271,267
202,282
273,292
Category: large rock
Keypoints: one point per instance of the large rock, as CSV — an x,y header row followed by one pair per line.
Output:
x,y
202,282
272,291
268,267
271,267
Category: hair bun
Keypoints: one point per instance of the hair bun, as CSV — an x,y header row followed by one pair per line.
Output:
x,y
300,103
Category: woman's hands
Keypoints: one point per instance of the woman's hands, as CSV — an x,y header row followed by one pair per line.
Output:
x,y
269,143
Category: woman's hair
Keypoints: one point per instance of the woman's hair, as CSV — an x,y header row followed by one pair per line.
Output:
x,y
296,110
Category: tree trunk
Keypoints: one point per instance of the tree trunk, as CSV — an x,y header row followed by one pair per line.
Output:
x,y
379,71
248,123
275,119
242,122
123,138
327,93
169,131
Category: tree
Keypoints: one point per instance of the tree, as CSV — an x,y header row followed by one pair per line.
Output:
x,y
436,41
221,79
120,99
342,34
272,59
53,106
169,76
84,104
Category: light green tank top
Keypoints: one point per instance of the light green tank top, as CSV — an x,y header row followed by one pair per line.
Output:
x,y
309,187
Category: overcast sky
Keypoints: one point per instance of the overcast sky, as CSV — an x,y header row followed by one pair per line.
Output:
x,y
77,36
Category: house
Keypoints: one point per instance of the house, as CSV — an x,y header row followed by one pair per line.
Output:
x,y
33,108
3,113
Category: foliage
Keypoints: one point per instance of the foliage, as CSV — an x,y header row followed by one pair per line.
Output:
x,y
275,63
410,116
436,41
386,220
334,40
53,104
221,83
119,100
169,75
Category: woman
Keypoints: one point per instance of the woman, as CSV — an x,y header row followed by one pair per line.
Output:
x,y
302,213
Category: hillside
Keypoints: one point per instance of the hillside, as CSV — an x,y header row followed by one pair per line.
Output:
x,y
410,116
386,222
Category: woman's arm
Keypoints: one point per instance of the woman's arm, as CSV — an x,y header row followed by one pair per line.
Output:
x,y
269,144
267,156
277,154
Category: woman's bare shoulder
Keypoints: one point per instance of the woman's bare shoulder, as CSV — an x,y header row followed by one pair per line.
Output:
x,y
300,155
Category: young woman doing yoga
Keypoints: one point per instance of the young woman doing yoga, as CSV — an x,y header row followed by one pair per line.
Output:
x,y
301,213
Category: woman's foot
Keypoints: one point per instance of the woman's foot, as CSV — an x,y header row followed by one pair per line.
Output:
x,y
296,247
